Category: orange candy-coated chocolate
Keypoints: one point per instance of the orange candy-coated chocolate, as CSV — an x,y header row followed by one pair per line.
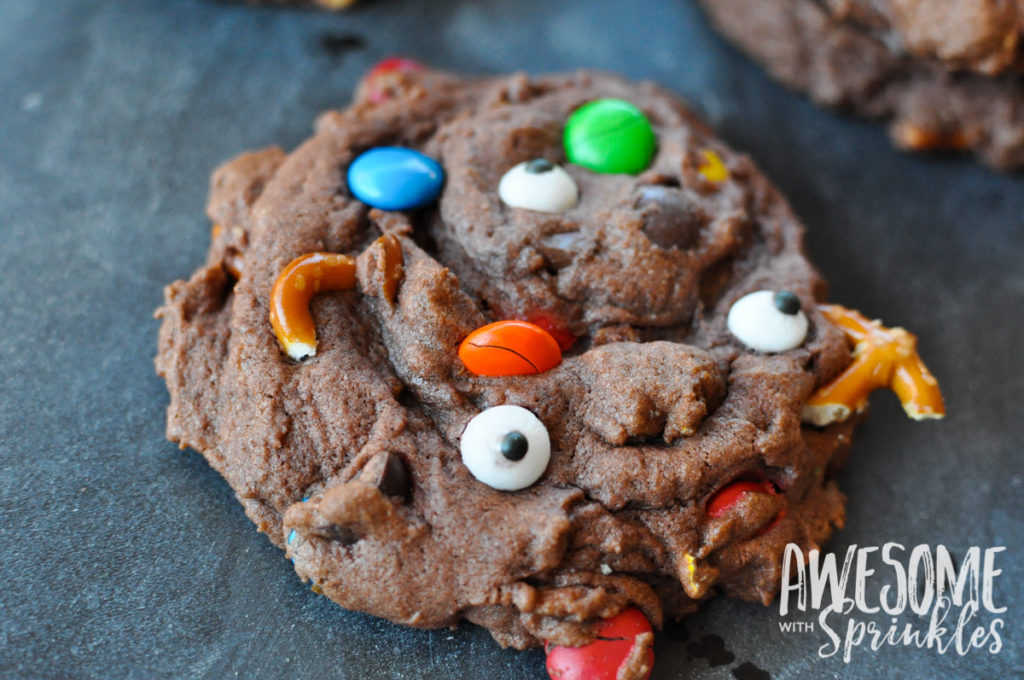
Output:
x,y
303,278
883,357
509,348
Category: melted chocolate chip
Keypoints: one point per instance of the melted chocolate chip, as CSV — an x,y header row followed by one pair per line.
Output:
x,y
561,249
669,219
332,532
387,472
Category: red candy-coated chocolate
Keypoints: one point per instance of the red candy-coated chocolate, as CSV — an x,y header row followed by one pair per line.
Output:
x,y
772,524
602,658
562,335
731,494
375,93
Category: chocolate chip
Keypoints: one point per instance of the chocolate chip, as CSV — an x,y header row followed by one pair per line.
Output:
x,y
786,302
670,220
561,249
332,532
514,446
388,473
539,165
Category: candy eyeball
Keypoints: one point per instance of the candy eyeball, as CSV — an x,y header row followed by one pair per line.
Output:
x,y
506,447
538,185
768,321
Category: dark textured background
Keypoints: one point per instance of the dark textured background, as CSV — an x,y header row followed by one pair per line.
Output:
x,y
123,557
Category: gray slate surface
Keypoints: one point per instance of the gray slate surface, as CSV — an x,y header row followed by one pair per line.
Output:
x,y
124,557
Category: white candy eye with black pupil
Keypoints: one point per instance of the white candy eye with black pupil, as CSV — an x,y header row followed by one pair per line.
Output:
x,y
506,447
768,321
538,185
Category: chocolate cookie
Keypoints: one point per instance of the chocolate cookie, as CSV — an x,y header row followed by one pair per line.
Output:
x,y
945,77
531,352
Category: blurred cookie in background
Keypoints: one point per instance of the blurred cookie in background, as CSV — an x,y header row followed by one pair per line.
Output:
x,y
945,78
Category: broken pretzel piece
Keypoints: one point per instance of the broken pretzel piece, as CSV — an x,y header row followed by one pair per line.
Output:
x,y
297,284
883,357
388,264
916,138
313,273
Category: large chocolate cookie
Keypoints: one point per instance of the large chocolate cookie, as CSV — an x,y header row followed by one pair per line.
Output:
x,y
654,458
945,75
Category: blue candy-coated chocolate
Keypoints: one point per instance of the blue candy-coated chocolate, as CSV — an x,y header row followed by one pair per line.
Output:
x,y
394,178
292,534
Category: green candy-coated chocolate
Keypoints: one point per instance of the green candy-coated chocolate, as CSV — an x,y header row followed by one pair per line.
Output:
x,y
609,136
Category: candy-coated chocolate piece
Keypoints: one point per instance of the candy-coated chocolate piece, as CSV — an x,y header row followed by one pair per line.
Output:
x,y
292,535
781,515
538,185
303,278
509,348
729,495
711,167
506,447
394,64
623,648
759,324
883,357
723,501
395,178
562,335
376,83
609,136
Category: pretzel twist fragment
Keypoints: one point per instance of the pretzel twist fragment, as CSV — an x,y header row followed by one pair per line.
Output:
x,y
296,285
390,263
883,357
